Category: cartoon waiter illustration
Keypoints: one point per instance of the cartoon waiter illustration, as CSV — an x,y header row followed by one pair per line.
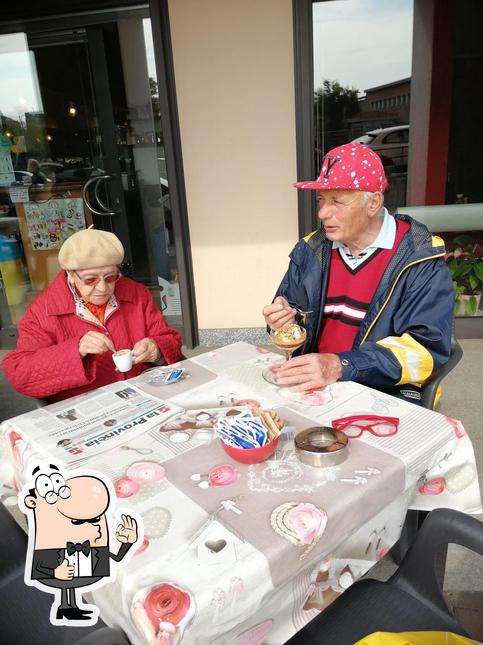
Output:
x,y
68,546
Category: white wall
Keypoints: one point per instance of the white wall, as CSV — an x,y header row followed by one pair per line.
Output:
x,y
235,89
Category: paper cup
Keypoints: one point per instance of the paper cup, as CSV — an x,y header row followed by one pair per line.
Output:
x,y
123,360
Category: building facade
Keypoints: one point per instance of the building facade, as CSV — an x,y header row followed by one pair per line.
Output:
x,y
181,126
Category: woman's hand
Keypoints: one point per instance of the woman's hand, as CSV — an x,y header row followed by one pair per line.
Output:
x,y
146,351
95,343
278,313
309,371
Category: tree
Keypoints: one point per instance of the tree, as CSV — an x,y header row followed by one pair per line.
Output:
x,y
333,105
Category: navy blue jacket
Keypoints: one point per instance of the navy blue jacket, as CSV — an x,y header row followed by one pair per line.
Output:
x,y
406,333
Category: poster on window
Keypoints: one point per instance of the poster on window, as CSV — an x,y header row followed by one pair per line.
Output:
x,y
50,223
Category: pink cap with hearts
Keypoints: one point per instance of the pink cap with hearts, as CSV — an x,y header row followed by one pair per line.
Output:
x,y
349,167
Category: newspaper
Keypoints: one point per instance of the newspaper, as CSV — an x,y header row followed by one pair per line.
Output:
x,y
79,428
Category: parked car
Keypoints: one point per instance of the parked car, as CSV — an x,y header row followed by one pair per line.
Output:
x,y
59,173
391,144
50,169
21,175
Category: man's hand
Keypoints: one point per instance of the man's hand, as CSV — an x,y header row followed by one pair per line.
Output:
x,y
95,343
145,351
64,571
278,313
127,532
309,371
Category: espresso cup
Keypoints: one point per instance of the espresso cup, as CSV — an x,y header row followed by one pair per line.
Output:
x,y
123,360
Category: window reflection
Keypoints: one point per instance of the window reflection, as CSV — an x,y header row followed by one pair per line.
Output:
x,y
81,143
362,67
365,83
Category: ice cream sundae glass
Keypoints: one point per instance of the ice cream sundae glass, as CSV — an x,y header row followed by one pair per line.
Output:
x,y
289,337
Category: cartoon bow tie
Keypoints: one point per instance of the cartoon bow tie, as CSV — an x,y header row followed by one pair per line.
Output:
x,y
85,547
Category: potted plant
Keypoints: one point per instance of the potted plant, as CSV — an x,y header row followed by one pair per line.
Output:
x,y
465,264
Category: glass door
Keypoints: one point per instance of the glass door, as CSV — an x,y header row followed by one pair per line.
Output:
x,y
81,142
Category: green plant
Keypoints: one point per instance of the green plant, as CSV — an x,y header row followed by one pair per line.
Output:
x,y
465,264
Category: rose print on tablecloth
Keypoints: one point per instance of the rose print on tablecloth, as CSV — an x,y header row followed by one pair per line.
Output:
x,y
18,445
146,472
320,396
307,521
162,613
251,403
223,475
432,486
454,481
125,487
142,478
301,524
457,427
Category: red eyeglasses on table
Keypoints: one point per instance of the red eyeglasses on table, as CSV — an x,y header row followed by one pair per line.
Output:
x,y
353,426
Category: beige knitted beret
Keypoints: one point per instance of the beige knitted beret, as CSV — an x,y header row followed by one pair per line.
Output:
x,y
90,249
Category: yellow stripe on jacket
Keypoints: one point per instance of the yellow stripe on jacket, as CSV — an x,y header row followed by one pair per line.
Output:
x,y
415,360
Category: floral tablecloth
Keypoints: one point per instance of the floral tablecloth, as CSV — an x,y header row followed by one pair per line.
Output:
x,y
248,554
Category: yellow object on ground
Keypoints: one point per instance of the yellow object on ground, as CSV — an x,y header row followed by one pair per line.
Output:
x,y
415,638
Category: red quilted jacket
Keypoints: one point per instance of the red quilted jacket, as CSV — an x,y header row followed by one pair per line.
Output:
x,y
47,362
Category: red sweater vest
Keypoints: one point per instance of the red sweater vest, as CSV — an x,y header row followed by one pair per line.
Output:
x,y
349,295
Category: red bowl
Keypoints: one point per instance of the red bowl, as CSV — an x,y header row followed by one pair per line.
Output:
x,y
251,455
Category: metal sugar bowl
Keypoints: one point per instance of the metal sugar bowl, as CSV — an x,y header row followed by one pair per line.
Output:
x,y
321,446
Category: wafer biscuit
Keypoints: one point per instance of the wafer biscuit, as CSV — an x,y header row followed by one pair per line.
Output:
x,y
269,423
270,420
278,421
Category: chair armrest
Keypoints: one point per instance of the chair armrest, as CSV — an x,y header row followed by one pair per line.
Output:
x,y
417,574
431,387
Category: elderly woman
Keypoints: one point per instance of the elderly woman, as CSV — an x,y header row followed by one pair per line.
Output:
x,y
68,333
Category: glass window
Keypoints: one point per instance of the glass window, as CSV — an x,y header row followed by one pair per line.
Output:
x,y
356,89
81,142
444,190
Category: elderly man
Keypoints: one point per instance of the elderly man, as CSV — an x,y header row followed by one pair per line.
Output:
x,y
377,291
68,333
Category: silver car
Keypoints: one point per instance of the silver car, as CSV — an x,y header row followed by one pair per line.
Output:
x,y
391,144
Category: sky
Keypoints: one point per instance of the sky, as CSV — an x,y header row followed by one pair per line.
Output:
x,y
19,91
148,41
362,43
